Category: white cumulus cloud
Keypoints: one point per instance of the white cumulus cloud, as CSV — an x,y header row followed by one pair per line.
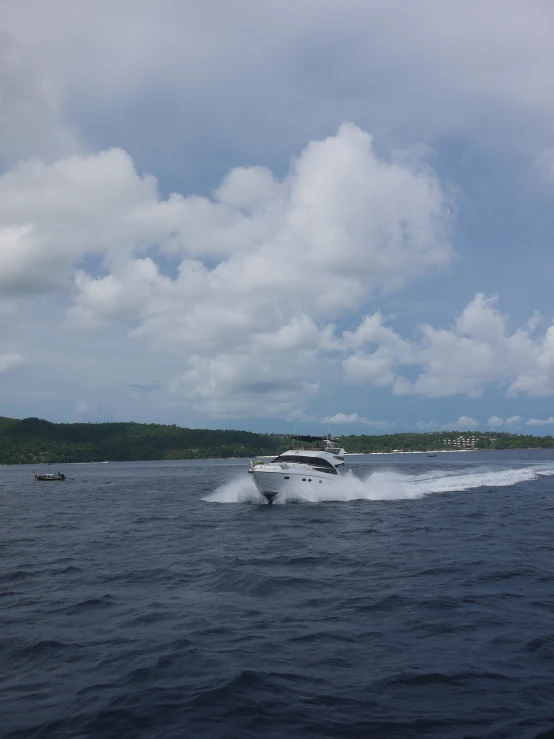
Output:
x,y
477,351
9,361
540,422
242,290
464,423
497,422
242,284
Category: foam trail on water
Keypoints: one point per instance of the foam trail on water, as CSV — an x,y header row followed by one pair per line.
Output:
x,y
239,490
382,485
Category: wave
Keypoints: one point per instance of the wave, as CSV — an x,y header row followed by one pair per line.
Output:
x,y
383,485
239,490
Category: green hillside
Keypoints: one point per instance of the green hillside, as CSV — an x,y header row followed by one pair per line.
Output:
x,y
444,440
34,441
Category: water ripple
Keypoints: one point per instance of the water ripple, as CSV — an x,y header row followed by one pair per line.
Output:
x,y
418,603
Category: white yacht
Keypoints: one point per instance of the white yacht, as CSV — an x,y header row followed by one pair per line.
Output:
x,y
313,460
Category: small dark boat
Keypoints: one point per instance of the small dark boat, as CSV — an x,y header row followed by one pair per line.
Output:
x,y
431,455
50,477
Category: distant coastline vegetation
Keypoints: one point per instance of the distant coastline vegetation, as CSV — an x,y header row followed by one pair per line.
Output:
x,y
35,441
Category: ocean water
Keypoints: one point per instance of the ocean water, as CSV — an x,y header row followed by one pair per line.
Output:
x,y
166,599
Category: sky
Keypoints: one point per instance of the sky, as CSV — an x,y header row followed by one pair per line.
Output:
x,y
327,215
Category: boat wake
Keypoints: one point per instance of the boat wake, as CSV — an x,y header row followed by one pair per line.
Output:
x,y
383,485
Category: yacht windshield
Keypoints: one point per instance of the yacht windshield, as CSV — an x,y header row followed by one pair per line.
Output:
x,y
318,462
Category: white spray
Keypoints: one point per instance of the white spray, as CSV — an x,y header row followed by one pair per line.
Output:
x,y
381,485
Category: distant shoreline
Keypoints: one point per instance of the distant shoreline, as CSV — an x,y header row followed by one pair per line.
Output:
x,y
447,451
36,441
431,451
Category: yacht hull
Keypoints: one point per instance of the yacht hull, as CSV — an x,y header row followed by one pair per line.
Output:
x,y
272,484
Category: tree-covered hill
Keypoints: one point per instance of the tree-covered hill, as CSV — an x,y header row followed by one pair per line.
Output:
x,y
34,441
444,440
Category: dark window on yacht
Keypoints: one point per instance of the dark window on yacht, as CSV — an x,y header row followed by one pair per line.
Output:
x,y
323,464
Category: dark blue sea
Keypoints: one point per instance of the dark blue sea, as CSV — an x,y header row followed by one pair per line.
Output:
x,y
167,600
